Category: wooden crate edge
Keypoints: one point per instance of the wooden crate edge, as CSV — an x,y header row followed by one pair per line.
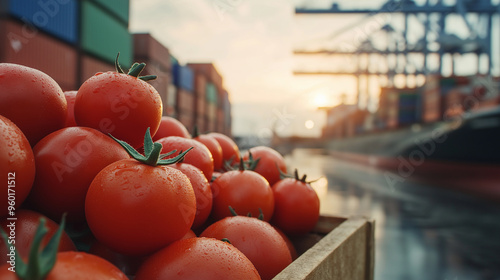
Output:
x,y
308,264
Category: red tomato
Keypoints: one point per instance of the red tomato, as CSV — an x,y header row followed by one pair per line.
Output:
x,y
67,161
257,239
202,192
214,148
24,232
269,164
198,258
296,209
120,104
245,191
199,156
289,243
171,127
70,99
17,167
75,266
135,208
230,151
189,234
32,100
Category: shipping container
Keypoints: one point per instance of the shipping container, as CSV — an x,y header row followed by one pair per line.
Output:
x,y
171,104
211,93
90,66
200,85
183,77
211,117
58,18
117,8
209,71
185,101
431,100
147,48
104,36
39,51
187,119
220,120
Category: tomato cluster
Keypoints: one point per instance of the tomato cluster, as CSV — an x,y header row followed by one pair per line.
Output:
x,y
136,193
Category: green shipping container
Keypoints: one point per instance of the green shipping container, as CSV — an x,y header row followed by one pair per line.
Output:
x,y
104,36
119,8
211,93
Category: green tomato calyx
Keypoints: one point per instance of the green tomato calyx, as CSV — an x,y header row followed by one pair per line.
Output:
x,y
152,152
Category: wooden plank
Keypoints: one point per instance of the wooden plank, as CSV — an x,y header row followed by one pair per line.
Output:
x,y
346,252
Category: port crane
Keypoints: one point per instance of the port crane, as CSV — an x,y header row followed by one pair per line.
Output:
x,y
399,52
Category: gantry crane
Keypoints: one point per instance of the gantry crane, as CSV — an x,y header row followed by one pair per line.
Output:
x,y
432,16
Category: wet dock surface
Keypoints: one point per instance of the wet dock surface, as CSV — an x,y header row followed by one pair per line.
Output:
x,y
422,231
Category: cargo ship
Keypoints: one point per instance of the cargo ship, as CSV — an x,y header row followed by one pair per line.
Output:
x,y
445,133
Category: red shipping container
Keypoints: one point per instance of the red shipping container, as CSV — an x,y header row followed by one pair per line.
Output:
x,y
209,71
199,85
146,47
187,119
90,66
185,101
23,45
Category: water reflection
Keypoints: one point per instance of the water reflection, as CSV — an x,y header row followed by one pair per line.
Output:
x,y
422,232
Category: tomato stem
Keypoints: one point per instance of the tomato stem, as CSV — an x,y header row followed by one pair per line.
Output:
x,y
196,132
40,260
135,70
152,152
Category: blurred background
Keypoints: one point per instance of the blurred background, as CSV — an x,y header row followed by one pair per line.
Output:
x,y
394,105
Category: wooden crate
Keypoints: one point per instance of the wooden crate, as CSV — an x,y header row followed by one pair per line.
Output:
x,y
338,248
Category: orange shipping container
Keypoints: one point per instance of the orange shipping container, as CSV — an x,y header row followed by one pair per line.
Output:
x,y
24,45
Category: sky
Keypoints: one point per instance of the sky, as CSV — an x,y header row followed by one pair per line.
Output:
x,y
251,43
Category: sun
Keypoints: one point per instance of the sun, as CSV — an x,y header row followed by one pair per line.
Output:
x,y
309,124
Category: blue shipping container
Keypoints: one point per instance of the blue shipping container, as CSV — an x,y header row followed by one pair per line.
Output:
x,y
183,77
59,18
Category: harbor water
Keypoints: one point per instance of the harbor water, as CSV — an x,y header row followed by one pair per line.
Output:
x,y
421,231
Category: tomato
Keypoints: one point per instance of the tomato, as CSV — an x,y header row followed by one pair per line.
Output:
x,y
269,164
70,96
17,167
189,234
244,190
198,258
257,239
32,100
199,156
202,192
120,104
289,243
230,151
296,209
136,206
214,148
25,229
75,266
67,161
171,127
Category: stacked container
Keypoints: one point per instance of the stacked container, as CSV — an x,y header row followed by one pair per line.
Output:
x,y
388,108
104,31
431,99
208,89
211,99
184,83
157,58
408,106
41,35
